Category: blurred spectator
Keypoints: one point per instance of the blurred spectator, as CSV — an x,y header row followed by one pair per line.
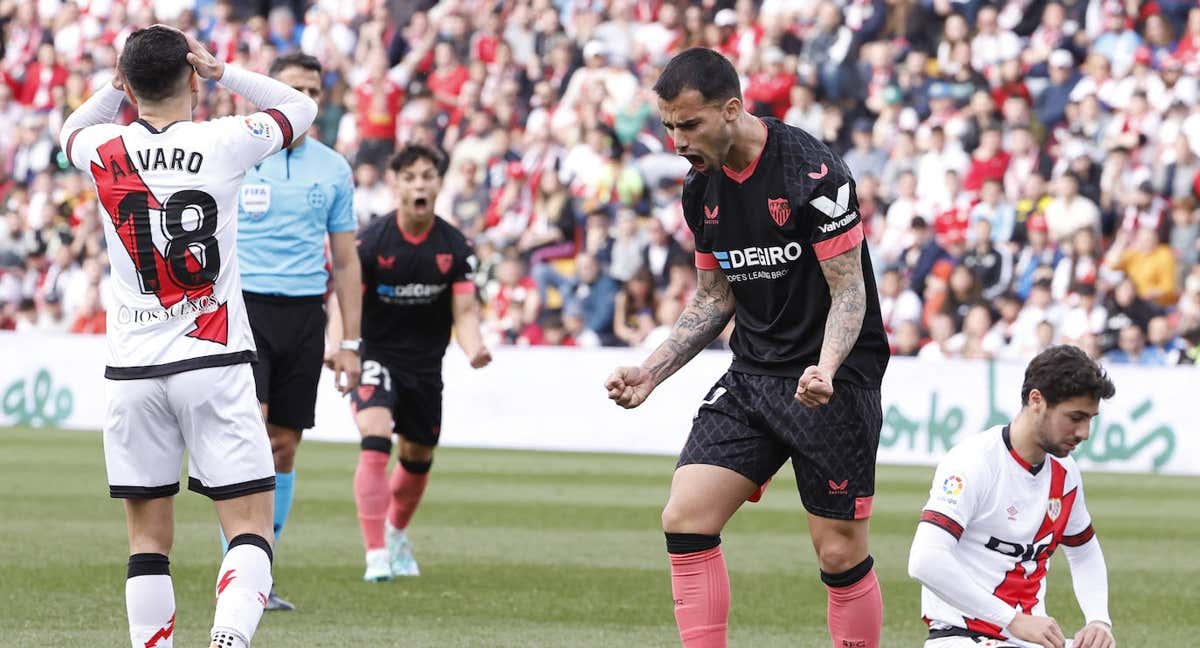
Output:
x,y
1038,256
1068,211
90,317
635,309
897,303
660,253
1045,135
594,292
1124,308
1148,262
1132,349
992,265
976,340
907,340
1085,315
865,158
941,329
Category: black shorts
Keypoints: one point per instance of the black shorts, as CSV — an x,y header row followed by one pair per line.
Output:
x,y
290,335
415,400
752,424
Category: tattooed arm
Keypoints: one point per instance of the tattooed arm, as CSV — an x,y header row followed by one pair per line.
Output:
x,y
847,308
703,319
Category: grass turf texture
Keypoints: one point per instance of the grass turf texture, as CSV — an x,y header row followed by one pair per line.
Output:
x,y
528,549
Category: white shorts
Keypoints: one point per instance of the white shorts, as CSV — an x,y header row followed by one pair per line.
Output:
x,y
212,413
968,642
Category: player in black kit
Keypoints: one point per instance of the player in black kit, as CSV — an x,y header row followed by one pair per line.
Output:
x,y
418,273
779,244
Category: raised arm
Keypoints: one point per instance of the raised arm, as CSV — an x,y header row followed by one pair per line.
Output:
x,y
101,108
701,322
269,95
847,309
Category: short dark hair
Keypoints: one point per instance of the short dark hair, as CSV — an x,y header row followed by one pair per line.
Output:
x,y
703,70
295,59
1064,372
408,155
154,63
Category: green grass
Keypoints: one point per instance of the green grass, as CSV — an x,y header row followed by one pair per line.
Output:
x,y
528,549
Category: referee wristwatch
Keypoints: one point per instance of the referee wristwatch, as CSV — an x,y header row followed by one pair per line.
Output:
x,y
351,345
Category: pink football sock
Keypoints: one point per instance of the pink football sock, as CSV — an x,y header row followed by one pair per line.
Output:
x,y
371,495
700,585
407,488
856,613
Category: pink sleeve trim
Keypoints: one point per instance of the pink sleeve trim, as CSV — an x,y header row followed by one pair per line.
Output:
x,y
464,288
706,261
826,250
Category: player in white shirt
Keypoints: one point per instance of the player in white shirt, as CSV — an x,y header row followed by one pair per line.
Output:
x,y
179,343
1001,503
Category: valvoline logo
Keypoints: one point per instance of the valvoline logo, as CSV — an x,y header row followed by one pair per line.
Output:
x,y
758,256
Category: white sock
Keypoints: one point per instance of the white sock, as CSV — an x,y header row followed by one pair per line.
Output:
x,y
150,601
243,584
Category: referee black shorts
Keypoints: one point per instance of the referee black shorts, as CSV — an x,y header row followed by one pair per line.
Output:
x,y
753,424
290,335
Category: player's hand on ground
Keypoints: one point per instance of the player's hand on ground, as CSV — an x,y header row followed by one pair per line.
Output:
x,y
815,387
481,358
1043,631
629,386
347,369
1096,634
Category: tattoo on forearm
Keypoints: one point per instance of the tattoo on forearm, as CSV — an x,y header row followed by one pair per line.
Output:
x,y
847,308
701,322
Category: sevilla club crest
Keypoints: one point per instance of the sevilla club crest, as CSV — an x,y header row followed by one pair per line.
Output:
x,y
780,210
444,262
1053,508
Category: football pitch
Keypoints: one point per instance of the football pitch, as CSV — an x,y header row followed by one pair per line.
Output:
x,y
529,549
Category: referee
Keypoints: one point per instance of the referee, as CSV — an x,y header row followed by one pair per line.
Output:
x,y
289,202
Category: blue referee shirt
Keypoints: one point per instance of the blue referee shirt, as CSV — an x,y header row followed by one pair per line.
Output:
x,y
287,204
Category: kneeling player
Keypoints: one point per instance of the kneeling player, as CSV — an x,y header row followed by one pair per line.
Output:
x,y
998,509
417,275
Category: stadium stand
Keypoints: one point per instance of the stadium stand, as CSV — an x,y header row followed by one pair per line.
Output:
x,y
1029,171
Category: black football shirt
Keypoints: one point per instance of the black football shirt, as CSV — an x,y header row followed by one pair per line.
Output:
x,y
768,228
408,285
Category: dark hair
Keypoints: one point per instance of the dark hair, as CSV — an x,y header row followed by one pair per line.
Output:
x,y
295,59
154,63
703,70
408,156
1064,372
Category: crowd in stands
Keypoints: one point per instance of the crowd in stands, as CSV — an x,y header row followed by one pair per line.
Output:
x,y
1028,171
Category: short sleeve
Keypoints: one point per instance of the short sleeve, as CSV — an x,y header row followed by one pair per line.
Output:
x,y
959,487
465,263
695,213
341,212
832,209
